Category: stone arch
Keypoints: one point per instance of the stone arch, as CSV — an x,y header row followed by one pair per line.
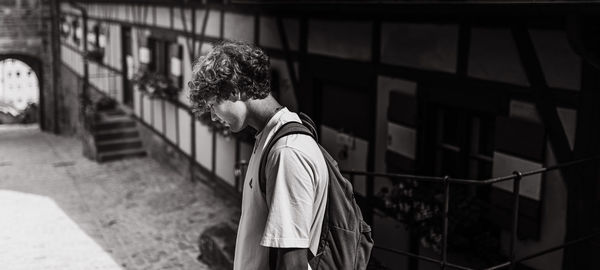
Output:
x,y
36,65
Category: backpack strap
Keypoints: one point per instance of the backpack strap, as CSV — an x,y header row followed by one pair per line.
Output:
x,y
288,128
307,127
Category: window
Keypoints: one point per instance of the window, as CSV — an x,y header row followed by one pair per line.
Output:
x,y
464,143
460,144
166,58
158,53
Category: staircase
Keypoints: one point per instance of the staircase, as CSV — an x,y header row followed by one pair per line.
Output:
x,y
116,136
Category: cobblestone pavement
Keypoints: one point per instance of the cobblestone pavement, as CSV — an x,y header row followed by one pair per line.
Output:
x,y
59,210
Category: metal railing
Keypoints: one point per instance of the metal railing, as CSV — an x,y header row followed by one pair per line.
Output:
x,y
446,181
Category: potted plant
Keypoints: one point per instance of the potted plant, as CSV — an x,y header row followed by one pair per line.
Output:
x,y
156,85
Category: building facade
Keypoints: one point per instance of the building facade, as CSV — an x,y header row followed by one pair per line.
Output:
x,y
474,91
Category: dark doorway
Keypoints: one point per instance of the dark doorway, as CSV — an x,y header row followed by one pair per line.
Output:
x,y
127,64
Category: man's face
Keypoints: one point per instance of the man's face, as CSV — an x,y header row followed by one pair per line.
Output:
x,y
231,113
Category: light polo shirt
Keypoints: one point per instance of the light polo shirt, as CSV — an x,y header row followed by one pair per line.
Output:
x,y
297,179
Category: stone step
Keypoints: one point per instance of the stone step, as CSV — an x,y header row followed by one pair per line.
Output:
x,y
120,154
107,118
114,124
118,144
113,134
111,112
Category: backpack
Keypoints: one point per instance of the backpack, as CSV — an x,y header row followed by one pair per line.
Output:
x,y
345,242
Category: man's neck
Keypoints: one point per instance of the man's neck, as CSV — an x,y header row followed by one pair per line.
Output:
x,y
261,111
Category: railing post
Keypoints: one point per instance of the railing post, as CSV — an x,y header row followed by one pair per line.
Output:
x,y
193,145
515,217
445,225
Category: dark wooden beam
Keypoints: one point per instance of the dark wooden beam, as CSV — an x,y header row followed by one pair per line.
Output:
x,y
544,103
584,194
390,10
288,56
464,44
580,210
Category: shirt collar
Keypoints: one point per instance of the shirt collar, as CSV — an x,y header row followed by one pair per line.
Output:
x,y
271,123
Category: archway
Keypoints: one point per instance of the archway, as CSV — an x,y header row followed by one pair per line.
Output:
x,y
21,84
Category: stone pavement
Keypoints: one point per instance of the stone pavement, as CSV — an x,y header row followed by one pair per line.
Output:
x,y
59,210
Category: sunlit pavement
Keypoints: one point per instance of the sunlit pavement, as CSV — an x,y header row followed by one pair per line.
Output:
x,y
59,210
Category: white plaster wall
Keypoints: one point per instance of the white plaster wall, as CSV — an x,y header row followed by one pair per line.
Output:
x,y
186,70
343,39
185,131
287,95
494,56
204,145
163,17
158,115
568,118
357,154
560,64
245,151
269,33
72,59
137,102
113,51
225,159
213,25
147,15
553,220
147,113
384,86
171,122
239,27
182,19
505,164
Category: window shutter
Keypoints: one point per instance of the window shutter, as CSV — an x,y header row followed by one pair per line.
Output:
x,y
175,64
144,52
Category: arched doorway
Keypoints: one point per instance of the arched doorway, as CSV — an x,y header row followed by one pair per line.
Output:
x,y
20,90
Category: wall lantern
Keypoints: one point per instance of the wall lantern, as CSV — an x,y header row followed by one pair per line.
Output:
x,y
77,30
97,42
144,55
65,27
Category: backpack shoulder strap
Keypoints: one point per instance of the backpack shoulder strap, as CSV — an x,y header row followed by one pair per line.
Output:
x,y
288,128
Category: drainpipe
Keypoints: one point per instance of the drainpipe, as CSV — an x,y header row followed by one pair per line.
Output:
x,y
84,96
55,41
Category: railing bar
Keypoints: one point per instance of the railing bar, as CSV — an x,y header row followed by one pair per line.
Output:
x,y
515,217
393,175
445,228
468,181
572,242
542,170
421,257
451,265
502,265
408,254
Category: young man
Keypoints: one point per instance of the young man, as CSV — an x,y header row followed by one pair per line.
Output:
x,y
279,228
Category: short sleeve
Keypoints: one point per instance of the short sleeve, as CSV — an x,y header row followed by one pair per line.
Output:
x,y
290,196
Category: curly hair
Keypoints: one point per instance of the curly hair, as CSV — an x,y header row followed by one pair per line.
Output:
x,y
230,69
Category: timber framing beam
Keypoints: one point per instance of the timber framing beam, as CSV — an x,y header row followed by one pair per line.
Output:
x,y
544,102
579,182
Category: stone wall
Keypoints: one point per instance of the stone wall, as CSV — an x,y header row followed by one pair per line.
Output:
x,y
25,35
